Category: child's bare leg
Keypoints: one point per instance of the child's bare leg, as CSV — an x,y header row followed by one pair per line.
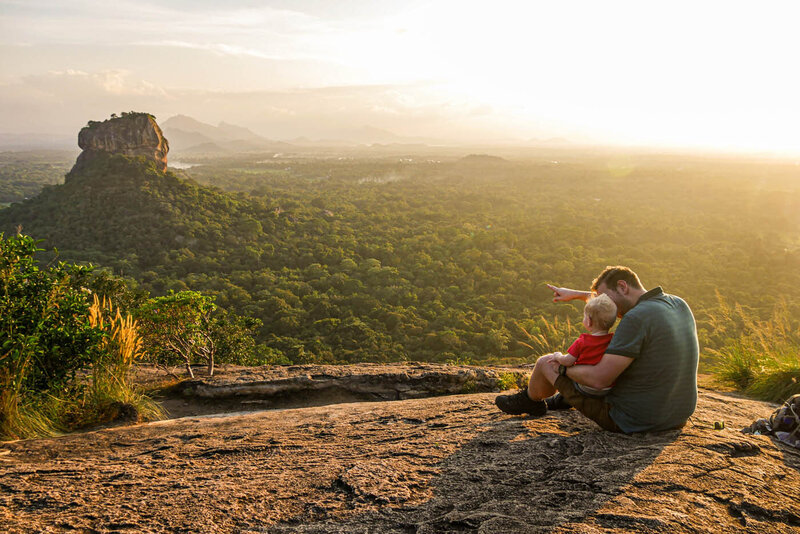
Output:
x,y
540,386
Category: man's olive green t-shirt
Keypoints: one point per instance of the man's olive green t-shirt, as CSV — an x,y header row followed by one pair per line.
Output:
x,y
658,390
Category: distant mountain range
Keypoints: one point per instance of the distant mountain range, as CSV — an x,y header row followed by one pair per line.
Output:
x,y
187,135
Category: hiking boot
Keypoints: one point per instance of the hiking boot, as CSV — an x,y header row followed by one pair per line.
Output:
x,y
557,402
519,403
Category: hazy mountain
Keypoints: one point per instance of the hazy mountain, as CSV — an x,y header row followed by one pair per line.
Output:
x,y
186,134
182,141
223,132
364,135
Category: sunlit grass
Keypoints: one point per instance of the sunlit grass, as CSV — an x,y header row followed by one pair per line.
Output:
x,y
110,388
104,394
543,336
29,417
760,357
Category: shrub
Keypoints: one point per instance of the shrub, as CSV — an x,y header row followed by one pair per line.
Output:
x,y
45,336
49,335
177,328
508,381
187,327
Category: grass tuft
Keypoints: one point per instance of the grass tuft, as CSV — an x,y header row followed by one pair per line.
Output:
x,y
111,395
102,395
763,358
544,336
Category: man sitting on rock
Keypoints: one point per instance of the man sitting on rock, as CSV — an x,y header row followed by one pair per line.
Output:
x,y
651,361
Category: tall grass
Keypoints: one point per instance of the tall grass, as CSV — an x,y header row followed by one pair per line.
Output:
x,y
543,336
110,390
102,393
26,417
759,357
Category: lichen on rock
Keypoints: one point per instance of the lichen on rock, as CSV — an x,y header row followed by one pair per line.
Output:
x,y
132,134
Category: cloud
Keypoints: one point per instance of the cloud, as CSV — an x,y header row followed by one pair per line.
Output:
x,y
72,83
63,101
262,31
60,102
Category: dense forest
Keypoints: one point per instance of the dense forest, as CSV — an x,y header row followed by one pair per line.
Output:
x,y
23,174
378,258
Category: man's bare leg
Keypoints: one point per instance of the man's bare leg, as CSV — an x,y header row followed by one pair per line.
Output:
x,y
540,385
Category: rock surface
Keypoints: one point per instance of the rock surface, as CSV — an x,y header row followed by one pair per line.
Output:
x,y
236,388
441,464
133,134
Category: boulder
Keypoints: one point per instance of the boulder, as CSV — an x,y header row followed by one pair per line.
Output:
x,y
132,134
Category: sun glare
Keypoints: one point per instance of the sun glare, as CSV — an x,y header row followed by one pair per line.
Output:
x,y
644,75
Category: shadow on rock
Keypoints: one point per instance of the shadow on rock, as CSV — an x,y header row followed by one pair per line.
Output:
x,y
517,475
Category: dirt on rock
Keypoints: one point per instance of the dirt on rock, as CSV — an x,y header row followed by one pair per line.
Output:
x,y
424,465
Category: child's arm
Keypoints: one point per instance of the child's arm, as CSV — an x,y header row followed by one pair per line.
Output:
x,y
567,360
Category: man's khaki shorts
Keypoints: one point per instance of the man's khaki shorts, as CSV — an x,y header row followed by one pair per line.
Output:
x,y
595,409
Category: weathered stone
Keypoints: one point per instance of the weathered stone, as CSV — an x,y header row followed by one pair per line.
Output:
x,y
133,134
398,381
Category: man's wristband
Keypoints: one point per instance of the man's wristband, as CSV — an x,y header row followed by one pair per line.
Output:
x,y
562,370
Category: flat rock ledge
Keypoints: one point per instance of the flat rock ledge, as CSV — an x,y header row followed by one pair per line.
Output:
x,y
440,464
236,388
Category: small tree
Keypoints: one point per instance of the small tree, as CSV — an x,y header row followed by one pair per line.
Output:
x,y
179,327
234,337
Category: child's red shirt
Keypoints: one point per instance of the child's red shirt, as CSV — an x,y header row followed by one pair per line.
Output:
x,y
589,349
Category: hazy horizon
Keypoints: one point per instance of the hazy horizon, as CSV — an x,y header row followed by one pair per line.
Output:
x,y
716,75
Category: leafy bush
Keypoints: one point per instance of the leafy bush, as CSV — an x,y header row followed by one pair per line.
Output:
x,y
177,328
508,381
45,335
48,335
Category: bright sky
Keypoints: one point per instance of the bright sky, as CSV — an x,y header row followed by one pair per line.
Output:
x,y
717,74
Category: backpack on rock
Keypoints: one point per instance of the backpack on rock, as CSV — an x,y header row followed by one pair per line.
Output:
x,y
784,423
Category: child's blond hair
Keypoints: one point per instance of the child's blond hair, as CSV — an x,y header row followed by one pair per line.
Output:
x,y
602,311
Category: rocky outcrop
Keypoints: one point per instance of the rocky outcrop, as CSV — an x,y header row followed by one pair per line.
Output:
x,y
442,464
132,134
241,389
399,381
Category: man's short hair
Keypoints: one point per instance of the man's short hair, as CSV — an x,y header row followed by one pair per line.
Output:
x,y
602,311
611,275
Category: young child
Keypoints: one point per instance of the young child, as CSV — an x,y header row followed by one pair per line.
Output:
x,y
599,316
